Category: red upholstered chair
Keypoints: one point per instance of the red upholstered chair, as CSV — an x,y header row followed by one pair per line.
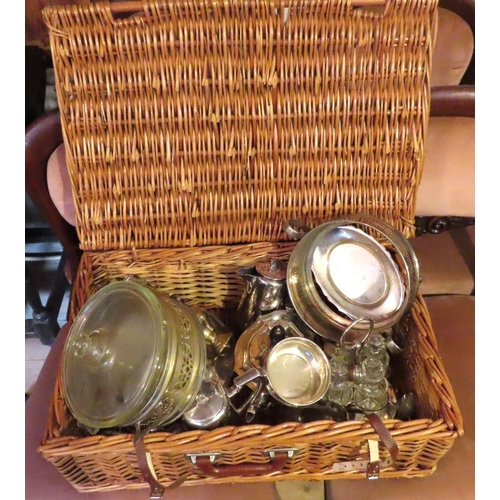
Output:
x,y
48,186
460,37
446,195
453,58
47,189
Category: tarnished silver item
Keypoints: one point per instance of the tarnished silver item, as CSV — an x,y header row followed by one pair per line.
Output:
x,y
210,405
265,291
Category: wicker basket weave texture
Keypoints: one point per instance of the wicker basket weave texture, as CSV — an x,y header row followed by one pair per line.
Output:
x,y
194,130
199,123
95,463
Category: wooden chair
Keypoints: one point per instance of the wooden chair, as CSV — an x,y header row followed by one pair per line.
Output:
x,y
42,138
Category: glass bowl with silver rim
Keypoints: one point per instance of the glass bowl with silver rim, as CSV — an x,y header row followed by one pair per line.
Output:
x,y
338,273
132,357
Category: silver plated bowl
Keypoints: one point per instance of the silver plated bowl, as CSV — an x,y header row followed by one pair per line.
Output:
x,y
330,318
296,373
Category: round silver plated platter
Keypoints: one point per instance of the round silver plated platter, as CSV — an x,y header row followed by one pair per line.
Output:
x,y
357,274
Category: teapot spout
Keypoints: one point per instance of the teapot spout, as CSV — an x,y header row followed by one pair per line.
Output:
x,y
247,273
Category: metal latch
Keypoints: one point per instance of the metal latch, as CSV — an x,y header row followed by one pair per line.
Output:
x,y
194,456
289,451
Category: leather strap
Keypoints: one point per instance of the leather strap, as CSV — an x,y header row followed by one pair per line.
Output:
x,y
358,465
374,464
147,471
157,489
384,434
247,469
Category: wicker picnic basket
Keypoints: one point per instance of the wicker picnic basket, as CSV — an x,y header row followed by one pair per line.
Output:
x,y
194,130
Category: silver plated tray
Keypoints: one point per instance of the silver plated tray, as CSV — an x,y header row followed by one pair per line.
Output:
x,y
357,274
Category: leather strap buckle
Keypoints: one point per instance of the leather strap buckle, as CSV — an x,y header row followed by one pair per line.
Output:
x,y
373,469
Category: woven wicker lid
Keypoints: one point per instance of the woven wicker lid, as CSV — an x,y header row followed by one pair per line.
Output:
x,y
198,123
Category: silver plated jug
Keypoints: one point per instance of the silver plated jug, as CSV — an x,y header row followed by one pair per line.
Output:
x,y
265,291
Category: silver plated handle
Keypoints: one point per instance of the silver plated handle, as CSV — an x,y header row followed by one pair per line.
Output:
x,y
295,229
352,325
242,380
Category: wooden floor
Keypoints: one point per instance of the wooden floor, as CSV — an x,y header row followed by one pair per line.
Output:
x,y
36,353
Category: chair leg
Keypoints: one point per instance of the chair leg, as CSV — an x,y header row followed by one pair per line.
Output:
x,y
58,289
45,325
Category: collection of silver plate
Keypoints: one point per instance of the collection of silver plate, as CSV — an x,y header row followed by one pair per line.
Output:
x,y
292,364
